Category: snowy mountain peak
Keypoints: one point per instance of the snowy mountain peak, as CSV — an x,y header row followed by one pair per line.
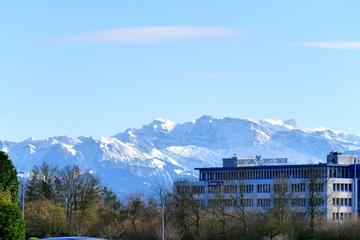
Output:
x,y
163,124
289,124
161,151
316,129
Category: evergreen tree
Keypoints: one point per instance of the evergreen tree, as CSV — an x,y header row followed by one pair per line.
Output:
x,y
12,226
8,177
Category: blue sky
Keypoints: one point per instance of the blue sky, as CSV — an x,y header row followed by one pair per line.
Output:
x,y
98,67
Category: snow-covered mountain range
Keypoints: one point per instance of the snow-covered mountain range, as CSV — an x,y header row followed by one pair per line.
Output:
x,y
137,160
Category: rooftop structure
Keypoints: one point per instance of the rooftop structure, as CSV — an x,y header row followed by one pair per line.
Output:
x,y
236,161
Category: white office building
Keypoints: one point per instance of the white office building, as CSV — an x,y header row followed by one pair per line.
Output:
x,y
254,184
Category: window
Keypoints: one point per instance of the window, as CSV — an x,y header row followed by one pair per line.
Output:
x,y
319,202
280,188
183,189
229,202
264,202
246,188
263,188
214,189
198,189
342,187
298,202
299,187
316,187
342,202
230,188
246,202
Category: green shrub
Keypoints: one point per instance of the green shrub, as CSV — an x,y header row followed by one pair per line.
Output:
x,y
45,219
12,225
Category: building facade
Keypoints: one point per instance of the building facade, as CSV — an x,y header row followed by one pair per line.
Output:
x,y
257,184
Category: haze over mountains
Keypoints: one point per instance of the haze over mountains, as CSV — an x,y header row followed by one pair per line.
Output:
x,y
137,160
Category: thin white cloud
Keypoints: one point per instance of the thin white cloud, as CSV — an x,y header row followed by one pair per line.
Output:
x,y
152,34
332,44
207,76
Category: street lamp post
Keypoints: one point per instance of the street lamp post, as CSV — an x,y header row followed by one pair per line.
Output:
x,y
163,221
23,193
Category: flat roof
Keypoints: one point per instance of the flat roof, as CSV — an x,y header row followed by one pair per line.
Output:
x,y
276,166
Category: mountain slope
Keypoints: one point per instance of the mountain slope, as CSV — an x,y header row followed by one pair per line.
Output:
x,y
137,160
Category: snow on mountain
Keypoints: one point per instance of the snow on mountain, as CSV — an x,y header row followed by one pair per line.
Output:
x,y
164,124
138,159
278,125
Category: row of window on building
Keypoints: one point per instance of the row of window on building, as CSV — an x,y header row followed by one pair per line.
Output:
x,y
305,172
249,188
342,187
260,202
342,202
341,216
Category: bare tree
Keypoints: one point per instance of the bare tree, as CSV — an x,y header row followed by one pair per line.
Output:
x,y
316,181
77,191
134,210
189,207
172,232
220,208
42,183
280,213
240,204
164,200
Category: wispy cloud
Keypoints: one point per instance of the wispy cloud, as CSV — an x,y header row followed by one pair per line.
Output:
x,y
202,76
152,34
332,44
